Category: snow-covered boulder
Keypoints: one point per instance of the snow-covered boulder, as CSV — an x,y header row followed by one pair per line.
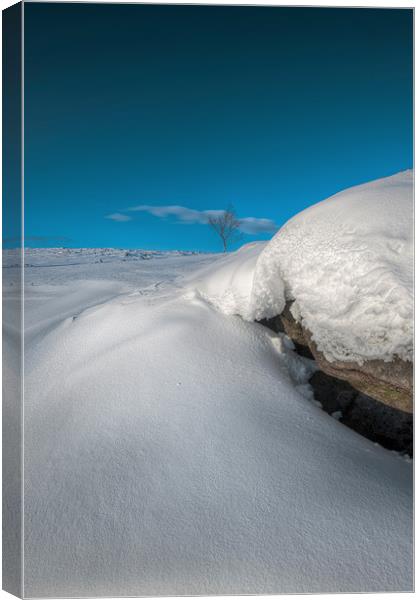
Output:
x,y
345,267
347,263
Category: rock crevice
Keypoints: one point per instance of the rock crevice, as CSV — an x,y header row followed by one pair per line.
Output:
x,y
375,398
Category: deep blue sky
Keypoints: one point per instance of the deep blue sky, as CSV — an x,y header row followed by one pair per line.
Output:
x,y
272,109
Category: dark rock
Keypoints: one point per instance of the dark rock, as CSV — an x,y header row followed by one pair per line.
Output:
x,y
293,329
334,394
275,324
390,427
303,350
388,382
375,398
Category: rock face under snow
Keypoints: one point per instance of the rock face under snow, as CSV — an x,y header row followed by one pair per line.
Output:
x,y
389,382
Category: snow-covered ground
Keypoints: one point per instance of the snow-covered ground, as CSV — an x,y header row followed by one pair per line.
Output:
x,y
174,449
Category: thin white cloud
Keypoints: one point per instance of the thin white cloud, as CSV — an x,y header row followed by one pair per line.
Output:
x,y
182,213
252,225
119,217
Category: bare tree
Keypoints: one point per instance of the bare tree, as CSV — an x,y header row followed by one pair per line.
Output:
x,y
226,225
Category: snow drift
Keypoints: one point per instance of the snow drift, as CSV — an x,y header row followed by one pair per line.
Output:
x,y
228,282
171,449
347,263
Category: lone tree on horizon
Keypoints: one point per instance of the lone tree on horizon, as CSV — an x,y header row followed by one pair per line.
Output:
x,y
226,225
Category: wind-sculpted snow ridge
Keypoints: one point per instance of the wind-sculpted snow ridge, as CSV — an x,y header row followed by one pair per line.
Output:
x,y
227,283
347,263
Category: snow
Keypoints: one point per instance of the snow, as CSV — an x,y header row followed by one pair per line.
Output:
x,y
346,262
174,449
227,283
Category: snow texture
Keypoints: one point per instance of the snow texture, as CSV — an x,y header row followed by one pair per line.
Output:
x,y
173,449
347,263
227,284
